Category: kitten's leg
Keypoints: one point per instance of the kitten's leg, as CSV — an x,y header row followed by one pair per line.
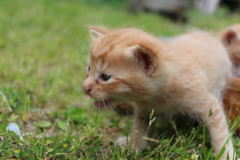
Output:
x,y
217,127
139,130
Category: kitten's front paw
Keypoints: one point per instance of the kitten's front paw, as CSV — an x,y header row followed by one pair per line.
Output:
x,y
135,145
121,141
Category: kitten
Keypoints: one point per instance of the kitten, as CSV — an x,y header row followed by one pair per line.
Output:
x,y
186,75
230,37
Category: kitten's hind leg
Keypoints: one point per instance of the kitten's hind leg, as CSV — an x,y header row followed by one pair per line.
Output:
x,y
214,116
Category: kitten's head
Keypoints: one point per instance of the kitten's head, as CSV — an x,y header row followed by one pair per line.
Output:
x,y
231,39
121,65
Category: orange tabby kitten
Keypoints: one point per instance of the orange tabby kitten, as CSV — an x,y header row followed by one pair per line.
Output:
x,y
186,75
231,40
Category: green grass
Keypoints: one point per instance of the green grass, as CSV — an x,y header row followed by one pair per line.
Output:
x,y
43,47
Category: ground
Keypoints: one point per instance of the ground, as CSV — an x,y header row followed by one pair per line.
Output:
x,y
43,50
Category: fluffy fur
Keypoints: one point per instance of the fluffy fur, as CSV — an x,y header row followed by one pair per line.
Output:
x,y
186,75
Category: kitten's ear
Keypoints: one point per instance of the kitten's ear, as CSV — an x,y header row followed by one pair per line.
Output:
x,y
229,36
146,60
96,32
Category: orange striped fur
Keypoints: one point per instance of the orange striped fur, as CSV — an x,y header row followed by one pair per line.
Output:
x,y
187,74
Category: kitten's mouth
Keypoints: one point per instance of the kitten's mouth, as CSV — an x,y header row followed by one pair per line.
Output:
x,y
103,103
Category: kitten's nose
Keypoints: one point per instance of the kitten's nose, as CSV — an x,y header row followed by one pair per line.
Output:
x,y
87,89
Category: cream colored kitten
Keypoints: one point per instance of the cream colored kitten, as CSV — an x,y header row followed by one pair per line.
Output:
x,y
186,75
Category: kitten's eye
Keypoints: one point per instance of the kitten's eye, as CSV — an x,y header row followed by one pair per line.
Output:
x,y
105,77
88,69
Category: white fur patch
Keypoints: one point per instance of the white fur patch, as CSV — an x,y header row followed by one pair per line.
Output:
x,y
121,141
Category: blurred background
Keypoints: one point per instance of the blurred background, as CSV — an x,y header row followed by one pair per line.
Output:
x,y
176,9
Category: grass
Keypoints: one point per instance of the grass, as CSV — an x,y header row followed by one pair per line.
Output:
x,y
43,47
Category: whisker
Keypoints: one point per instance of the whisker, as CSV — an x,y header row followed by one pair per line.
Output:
x,y
111,104
104,104
79,55
84,49
78,77
102,109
